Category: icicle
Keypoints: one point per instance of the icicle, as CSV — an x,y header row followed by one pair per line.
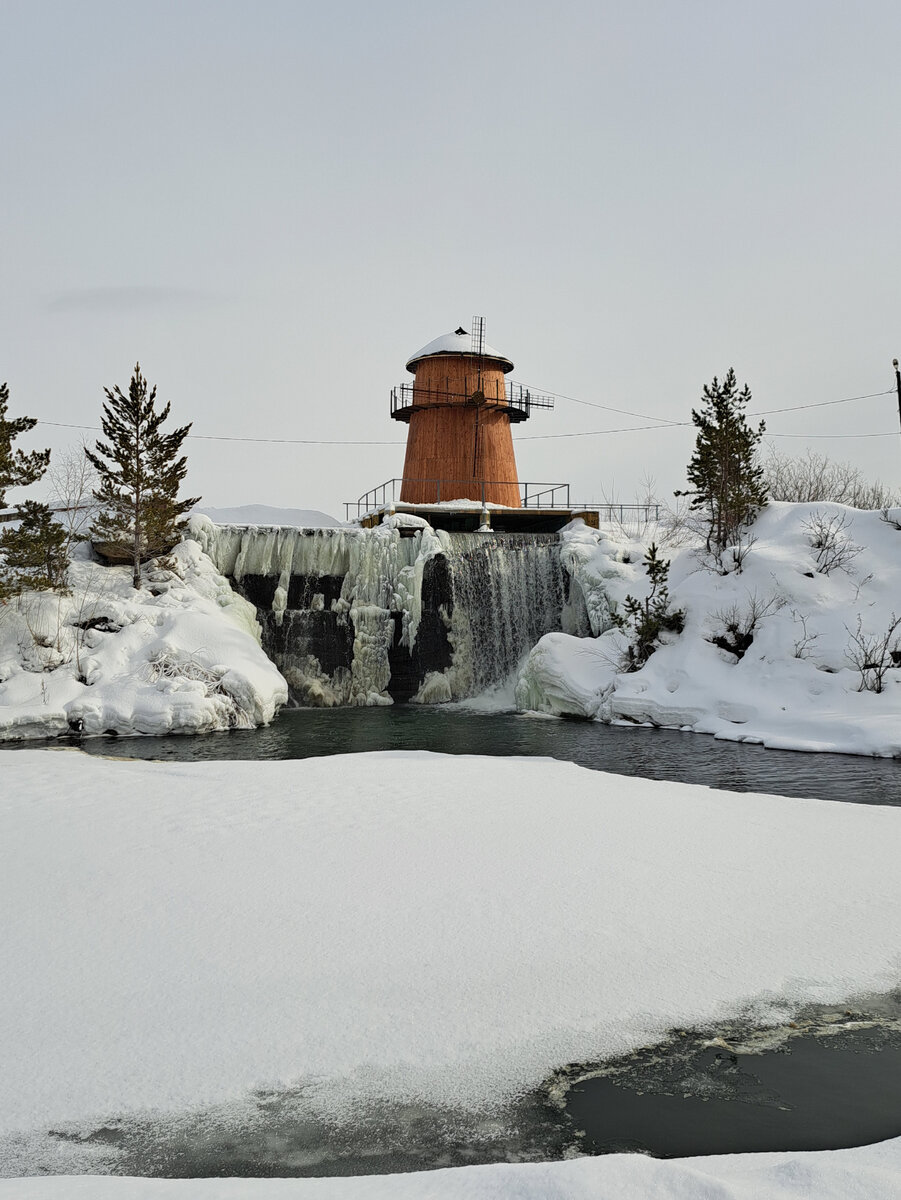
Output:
x,y
451,613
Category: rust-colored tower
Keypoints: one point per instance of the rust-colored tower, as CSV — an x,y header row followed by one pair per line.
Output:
x,y
459,409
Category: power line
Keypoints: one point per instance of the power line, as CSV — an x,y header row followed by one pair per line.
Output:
x,y
753,413
212,437
543,437
682,424
843,436
820,404
661,423
624,412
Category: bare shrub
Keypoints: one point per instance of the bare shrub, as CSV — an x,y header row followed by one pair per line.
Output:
x,y
166,664
723,560
805,639
829,537
44,642
636,521
872,655
72,481
814,478
733,628
679,525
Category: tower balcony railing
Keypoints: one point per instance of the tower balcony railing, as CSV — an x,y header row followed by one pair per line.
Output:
x,y
531,495
517,400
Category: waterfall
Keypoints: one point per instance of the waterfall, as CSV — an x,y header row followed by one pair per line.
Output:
x,y
399,612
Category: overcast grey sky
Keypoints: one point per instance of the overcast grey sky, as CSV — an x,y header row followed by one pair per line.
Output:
x,y
272,205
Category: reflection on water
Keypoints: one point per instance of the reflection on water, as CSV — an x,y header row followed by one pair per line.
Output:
x,y
628,750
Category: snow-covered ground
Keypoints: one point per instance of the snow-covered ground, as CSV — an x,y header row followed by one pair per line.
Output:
x,y
794,688
266,514
867,1173
180,655
390,927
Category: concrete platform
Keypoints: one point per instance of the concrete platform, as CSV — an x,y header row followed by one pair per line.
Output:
x,y
457,519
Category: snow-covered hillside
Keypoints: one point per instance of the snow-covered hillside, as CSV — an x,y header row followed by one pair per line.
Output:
x,y
809,610
181,655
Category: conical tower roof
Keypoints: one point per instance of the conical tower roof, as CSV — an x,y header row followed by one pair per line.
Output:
x,y
459,342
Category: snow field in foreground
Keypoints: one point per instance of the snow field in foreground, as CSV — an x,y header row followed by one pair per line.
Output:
x,y
865,1173
403,925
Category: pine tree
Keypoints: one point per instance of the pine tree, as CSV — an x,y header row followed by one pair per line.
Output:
x,y
140,473
728,485
35,551
17,469
646,620
31,552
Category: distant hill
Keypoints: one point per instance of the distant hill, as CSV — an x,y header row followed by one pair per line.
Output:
x,y
264,514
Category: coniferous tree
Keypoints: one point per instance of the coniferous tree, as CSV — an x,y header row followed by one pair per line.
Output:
x,y
647,620
31,551
35,551
140,472
728,484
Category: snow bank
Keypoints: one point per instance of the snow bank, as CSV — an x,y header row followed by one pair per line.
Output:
x,y
397,926
794,688
265,514
866,1173
181,655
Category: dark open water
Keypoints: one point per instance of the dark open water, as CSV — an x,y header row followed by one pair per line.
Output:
x,y
628,750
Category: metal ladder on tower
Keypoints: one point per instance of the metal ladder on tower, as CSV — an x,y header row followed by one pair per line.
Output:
x,y
477,347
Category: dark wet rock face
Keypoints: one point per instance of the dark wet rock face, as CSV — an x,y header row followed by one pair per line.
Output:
x,y
402,623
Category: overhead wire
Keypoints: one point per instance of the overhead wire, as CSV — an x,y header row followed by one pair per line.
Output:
x,y
821,403
627,412
214,437
661,423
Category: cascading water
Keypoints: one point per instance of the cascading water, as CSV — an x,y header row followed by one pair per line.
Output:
x,y
400,612
509,589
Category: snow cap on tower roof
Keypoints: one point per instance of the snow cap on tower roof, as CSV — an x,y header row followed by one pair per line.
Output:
x,y
458,342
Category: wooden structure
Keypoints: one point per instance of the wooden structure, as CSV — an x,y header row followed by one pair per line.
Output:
x,y
459,409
